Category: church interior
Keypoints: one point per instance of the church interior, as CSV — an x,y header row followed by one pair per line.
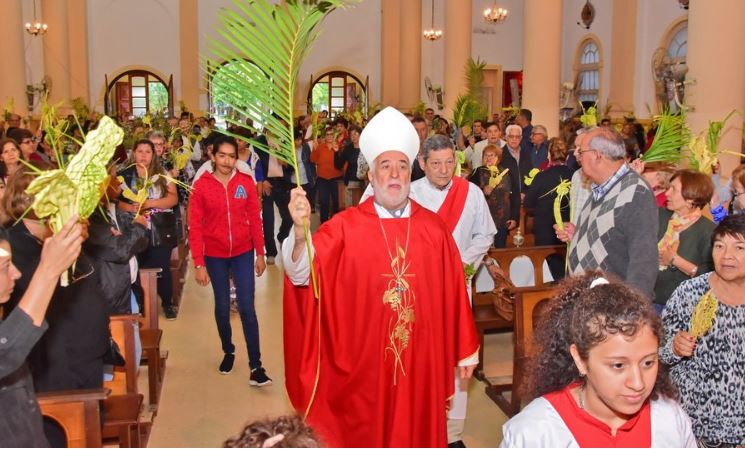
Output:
x,y
141,61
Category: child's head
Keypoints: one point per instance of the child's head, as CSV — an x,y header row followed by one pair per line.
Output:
x,y
284,431
605,335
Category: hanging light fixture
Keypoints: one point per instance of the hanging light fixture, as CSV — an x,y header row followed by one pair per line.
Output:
x,y
495,14
37,27
432,34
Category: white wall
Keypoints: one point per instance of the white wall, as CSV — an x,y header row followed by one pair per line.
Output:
x,y
124,33
505,46
33,49
573,34
653,20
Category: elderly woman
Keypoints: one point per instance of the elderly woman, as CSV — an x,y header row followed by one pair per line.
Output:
x,y
684,233
540,198
502,198
707,366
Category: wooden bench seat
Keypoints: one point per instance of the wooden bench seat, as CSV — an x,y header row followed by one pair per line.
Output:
x,y
77,412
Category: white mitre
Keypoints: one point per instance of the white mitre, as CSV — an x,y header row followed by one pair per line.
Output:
x,y
389,130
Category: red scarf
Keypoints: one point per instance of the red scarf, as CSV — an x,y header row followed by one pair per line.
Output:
x,y
452,208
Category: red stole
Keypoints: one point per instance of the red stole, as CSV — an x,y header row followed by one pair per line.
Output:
x,y
452,208
591,432
335,347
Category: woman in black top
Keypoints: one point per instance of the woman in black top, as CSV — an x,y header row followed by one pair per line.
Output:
x,y
540,198
503,200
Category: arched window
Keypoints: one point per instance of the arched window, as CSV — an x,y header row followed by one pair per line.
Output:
x,y
219,95
137,92
336,92
588,71
677,47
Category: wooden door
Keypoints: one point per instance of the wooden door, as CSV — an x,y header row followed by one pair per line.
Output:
x,y
123,100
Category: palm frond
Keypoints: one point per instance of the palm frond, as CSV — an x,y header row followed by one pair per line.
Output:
x,y
265,44
672,134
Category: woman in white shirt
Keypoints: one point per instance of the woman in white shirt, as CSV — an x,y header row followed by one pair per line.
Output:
x,y
596,375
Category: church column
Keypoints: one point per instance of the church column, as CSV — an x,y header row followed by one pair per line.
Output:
x,y
410,57
390,36
715,65
13,73
189,52
56,52
623,58
542,61
77,20
457,35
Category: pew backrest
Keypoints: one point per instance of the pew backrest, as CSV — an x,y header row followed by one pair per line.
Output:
x,y
77,412
149,284
123,328
536,254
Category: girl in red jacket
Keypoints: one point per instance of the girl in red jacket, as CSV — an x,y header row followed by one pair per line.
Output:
x,y
224,231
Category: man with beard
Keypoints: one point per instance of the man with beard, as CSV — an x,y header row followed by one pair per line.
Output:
x,y
370,358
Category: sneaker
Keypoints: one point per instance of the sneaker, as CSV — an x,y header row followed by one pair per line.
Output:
x,y
270,260
226,365
259,378
170,313
458,443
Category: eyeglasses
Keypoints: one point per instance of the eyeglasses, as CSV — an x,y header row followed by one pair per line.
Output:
x,y
581,152
735,193
27,141
514,136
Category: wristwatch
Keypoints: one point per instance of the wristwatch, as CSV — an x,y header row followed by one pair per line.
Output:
x,y
671,265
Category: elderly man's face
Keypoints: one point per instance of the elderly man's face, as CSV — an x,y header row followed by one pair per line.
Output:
x,y
390,177
439,167
421,131
588,157
537,137
513,138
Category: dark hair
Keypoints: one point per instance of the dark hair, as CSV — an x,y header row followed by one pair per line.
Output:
x,y
3,235
8,140
342,121
695,187
527,113
294,431
585,317
224,139
16,201
478,120
488,125
435,143
738,174
355,128
733,225
155,167
298,134
418,119
18,134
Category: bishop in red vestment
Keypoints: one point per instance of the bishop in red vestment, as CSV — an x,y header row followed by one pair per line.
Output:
x,y
370,359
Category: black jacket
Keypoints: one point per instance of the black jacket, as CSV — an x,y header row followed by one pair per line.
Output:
x,y
348,155
518,172
110,255
541,202
70,355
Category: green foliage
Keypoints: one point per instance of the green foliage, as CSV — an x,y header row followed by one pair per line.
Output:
x,y
80,109
672,134
471,105
158,97
275,38
419,108
320,97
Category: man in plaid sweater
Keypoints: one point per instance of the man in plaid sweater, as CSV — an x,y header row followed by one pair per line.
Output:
x,y
616,230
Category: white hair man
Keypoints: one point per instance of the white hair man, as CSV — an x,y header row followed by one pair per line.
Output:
x,y
379,335
616,230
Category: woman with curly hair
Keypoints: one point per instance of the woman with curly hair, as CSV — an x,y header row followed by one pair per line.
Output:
x,y
596,375
284,431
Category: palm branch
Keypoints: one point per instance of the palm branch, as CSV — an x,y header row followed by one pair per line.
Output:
x,y
266,45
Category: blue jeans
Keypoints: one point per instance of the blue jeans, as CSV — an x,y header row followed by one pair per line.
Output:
x,y
242,267
328,191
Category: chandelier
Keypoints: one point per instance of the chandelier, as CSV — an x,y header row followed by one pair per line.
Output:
x,y
432,34
37,27
495,14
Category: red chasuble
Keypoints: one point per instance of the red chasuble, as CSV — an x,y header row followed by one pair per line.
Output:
x,y
591,432
378,369
452,208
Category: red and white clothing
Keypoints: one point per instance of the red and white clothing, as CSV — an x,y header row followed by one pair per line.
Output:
x,y
224,221
555,420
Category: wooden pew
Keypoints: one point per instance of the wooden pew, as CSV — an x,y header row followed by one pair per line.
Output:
x,y
486,317
151,334
122,408
536,254
529,303
77,412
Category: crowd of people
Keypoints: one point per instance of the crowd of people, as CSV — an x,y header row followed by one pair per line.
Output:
x,y
619,361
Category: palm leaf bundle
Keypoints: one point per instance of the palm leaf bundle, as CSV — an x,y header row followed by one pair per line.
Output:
x,y
76,188
266,45
672,134
470,106
703,149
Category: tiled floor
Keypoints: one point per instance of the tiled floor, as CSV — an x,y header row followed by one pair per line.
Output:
x,y
200,408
